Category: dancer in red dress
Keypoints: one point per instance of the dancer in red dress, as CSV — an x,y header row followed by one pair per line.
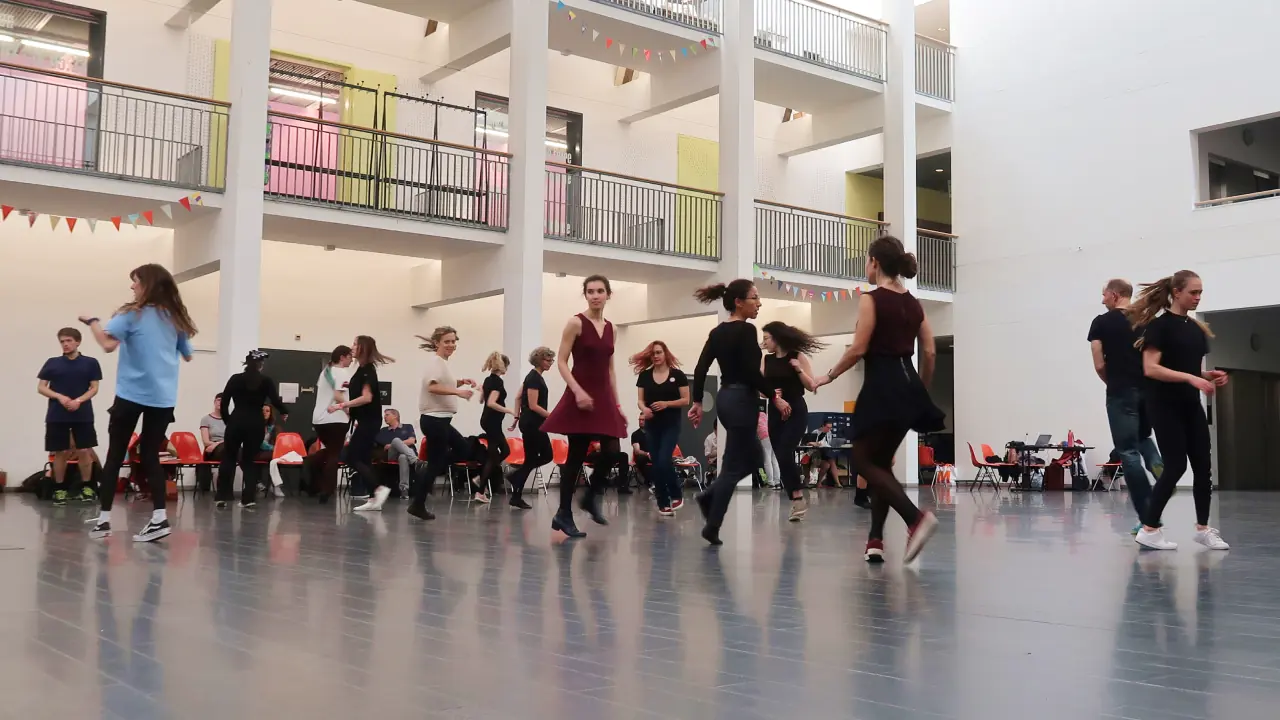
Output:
x,y
589,412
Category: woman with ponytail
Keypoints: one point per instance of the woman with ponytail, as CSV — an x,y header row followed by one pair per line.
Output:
x,y
894,399
438,403
734,346
243,398
1173,348
786,369
331,426
365,409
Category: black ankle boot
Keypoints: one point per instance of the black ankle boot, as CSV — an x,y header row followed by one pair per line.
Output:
x,y
591,505
517,501
566,525
862,499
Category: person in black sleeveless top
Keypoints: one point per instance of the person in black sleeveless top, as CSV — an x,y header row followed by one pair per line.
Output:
x,y
494,398
365,410
1173,349
242,401
531,409
786,370
734,347
894,399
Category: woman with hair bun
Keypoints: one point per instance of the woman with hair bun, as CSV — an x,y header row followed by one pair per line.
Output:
x,y
733,346
894,398
531,410
1173,348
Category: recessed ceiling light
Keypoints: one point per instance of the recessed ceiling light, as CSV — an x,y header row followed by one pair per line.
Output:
x,y
55,48
6,38
286,92
939,170
942,29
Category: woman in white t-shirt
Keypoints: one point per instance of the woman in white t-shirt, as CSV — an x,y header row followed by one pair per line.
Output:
x,y
331,427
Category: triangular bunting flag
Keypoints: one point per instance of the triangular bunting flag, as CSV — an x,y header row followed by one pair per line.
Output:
x,y
704,44
6,209
53,221
684,51
150,216
595,35
646,55
31,219
608,43
673,56
133,219
573,15
693,49
116,221
560,5
186,203
660,56
634,51
621,49
198,198
93,224
584,29
71,224
167,209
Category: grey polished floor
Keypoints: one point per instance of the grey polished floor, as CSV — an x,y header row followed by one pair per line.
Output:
x,y
1036,606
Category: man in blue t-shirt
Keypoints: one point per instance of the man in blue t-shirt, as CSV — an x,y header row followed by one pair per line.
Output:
x,y
399,443
70,381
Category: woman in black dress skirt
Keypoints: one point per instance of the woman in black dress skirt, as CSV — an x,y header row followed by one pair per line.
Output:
x,y
786,369
894,399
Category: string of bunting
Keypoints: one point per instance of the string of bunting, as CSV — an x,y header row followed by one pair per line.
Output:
x,y
636,51
804,293
148,216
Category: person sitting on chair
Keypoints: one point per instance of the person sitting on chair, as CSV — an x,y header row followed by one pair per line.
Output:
x,y
398,444
640,454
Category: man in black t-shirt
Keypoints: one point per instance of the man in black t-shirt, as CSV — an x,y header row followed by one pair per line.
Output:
x,y
1118,363
640,453
70,381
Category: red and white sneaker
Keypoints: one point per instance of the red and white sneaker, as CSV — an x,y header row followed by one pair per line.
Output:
x,y
875,551
919,534
677,504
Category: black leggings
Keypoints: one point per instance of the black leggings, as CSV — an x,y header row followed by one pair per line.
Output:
x,y
578,446
1182,432
873,457
740,455
445,445
537,452
785,437
124,418
241,448
499,449
360,452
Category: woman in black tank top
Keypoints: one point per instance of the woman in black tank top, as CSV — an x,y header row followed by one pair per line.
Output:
x,y
894,399
786,370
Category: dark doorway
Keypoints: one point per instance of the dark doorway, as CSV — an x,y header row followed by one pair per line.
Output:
x,y
303,368
1246,415
691,439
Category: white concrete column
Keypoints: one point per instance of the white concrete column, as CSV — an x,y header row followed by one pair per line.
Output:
x,y
521,266
738,139
238,228
900,160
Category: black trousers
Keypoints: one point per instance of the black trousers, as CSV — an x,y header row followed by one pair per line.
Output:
x,y
1182,432
360,452
445,445
537,452
240,448
332,436
155,423
740,455
578,447
499,449
785,437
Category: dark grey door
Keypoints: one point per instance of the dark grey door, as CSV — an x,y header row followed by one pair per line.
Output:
x,y
1247,419
301,367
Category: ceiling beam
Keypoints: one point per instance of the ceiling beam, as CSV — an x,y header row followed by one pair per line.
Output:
x,y
193,11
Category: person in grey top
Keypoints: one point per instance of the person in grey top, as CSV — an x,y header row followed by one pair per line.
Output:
x,y
213,429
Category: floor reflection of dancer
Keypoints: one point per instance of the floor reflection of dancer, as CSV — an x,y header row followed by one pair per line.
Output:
x,y
589,411
662,393
733,346
1118,363
438,402
787,371
494,398
243,400
365,409
531,410
1173,350
331,425
894,399
152,332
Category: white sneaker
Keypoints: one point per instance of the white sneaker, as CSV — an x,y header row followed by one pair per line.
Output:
x,y
277,491
1154,540
375,503
1210,538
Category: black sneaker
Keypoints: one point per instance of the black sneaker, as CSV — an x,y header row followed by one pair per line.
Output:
x,y
591,505
221,504
100,530
517,501
420,511
87,494
153,531
60,498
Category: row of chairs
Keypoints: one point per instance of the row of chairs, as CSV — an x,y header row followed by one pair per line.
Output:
x,y
989,471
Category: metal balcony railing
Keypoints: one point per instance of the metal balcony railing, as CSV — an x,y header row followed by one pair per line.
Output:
x,y
87,125
603,208
355,168
823,36
811,241
699,14
935,69
936,255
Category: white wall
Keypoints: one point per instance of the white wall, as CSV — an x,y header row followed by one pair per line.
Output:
x,y
1112,101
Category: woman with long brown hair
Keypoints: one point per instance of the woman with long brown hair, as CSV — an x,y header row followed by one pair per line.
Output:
x,y
1173,348
438,403
589,412
787,371
330,426
662,389
894,398
365,410
733,346
151,332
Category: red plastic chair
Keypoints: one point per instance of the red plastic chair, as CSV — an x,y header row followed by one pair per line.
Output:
x,y
559,456
687,467
987,471
286,443
516,456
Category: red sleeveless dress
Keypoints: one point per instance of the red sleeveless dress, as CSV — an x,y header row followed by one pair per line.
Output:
x,y
592,357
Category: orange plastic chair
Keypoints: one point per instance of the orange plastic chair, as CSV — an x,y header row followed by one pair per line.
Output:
x,y
286,443
687,467
559,456
987,471
516,456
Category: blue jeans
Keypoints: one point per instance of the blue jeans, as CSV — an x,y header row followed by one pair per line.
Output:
x,y
662,446
1132,438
